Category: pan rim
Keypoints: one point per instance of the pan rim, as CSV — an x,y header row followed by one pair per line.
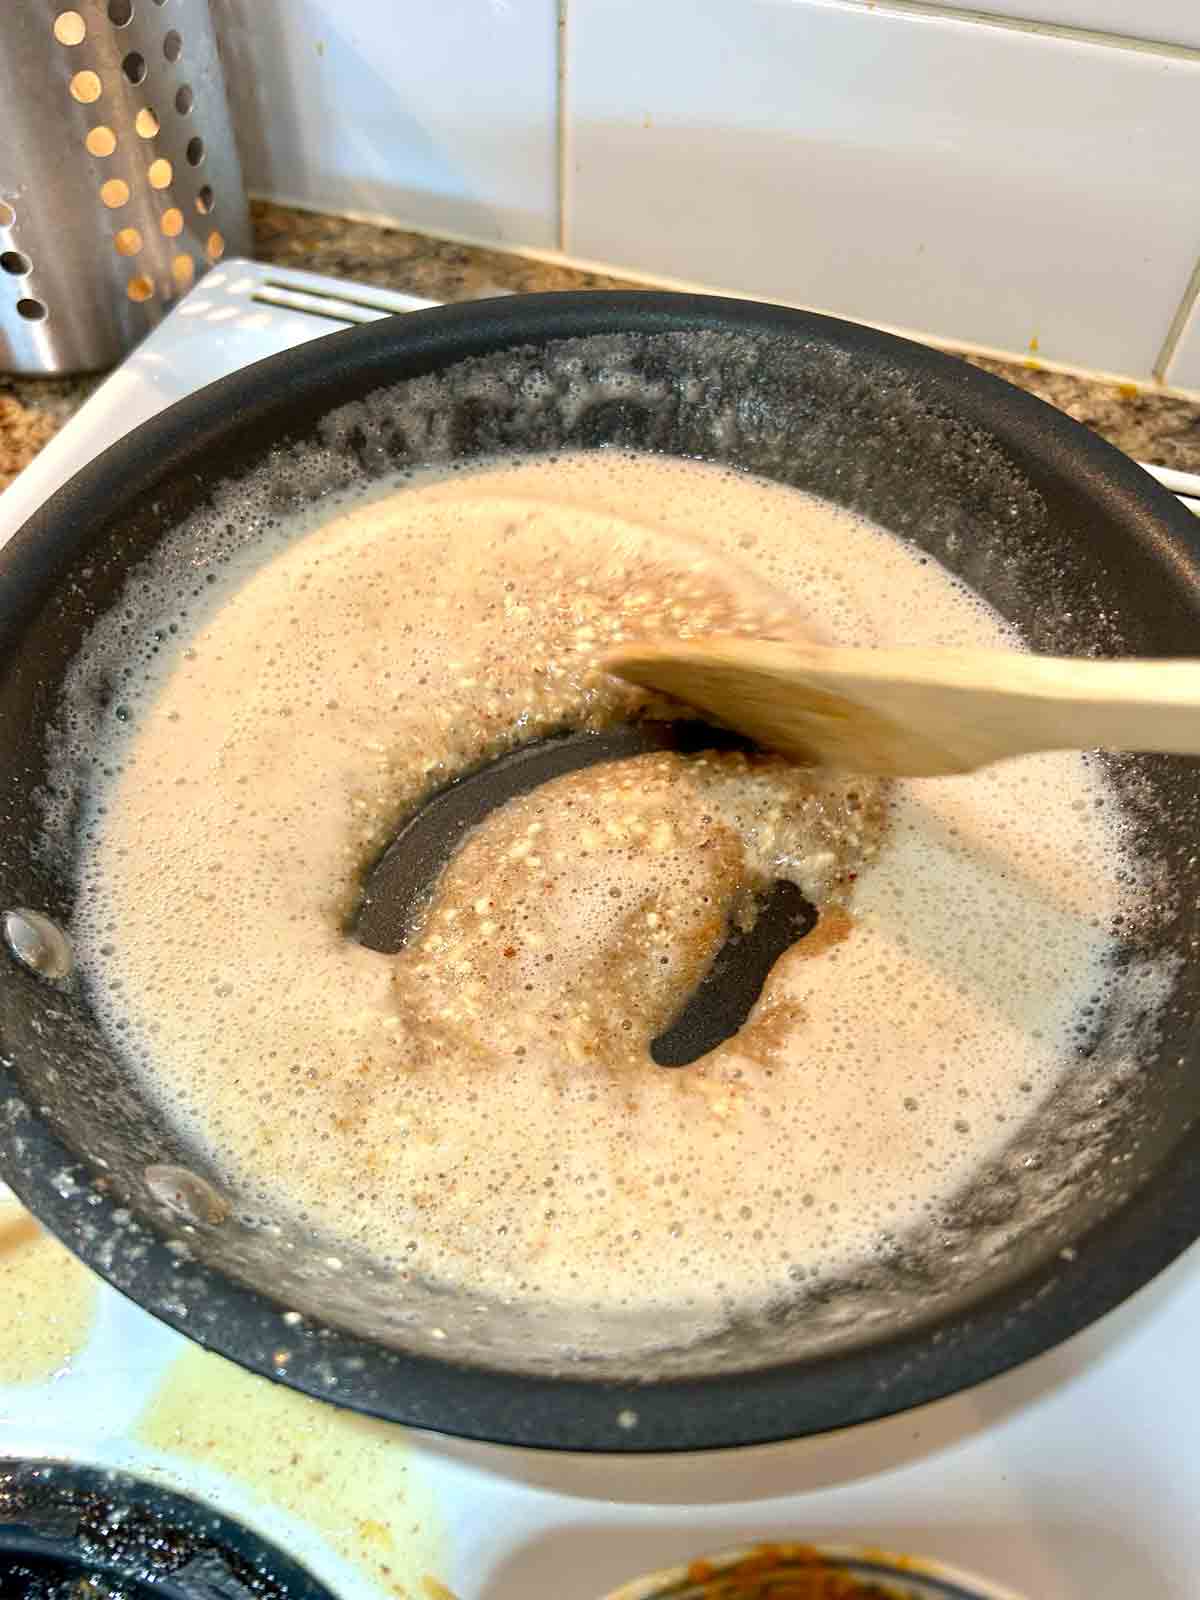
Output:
x,y
820,1393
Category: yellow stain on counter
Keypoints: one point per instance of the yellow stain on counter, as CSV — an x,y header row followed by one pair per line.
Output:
x,y
47,1300
350,1477
435,1590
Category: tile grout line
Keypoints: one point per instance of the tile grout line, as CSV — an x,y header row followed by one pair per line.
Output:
x,y
934,9
1178,326
562,127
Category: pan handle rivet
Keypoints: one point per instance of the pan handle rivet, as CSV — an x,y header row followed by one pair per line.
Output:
x,y
38,943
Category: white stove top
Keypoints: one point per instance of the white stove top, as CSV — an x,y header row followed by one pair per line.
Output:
x,y
1077,1477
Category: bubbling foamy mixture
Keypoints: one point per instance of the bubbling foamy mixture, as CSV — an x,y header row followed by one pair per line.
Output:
x,y
481,1109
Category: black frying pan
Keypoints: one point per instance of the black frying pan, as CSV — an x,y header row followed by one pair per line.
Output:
x,y
1063,534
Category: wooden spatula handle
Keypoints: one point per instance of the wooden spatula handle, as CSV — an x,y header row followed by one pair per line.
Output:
x,y
1038,702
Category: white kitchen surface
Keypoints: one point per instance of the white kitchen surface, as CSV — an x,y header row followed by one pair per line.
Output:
x,y
1076,1477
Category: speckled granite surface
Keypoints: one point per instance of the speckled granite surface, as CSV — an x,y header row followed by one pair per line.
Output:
x,y
1150,427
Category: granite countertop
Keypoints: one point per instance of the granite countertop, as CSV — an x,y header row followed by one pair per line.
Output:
x,y
1151,427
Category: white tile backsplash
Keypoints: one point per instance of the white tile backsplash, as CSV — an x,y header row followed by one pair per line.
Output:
x,y
990,185
440,116
1168,21
898,163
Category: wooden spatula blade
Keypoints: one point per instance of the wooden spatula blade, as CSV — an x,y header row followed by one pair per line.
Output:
x,y
776,703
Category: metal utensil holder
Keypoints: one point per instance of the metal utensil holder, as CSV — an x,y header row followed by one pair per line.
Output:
x,y
120,181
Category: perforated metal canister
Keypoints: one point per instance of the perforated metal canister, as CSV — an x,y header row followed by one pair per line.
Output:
x,y
120,181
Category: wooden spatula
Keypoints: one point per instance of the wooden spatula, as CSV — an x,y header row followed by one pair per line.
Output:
x,y
921,713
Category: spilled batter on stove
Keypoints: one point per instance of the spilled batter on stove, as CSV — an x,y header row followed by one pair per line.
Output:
x,y
481,1109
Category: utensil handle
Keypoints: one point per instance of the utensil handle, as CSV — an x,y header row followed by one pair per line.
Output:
x,y
1055,702
1123,705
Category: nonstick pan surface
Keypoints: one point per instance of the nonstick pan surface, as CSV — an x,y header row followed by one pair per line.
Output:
x,y
1065,536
